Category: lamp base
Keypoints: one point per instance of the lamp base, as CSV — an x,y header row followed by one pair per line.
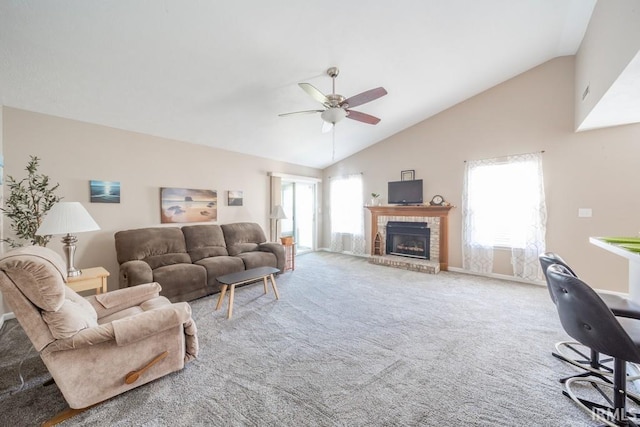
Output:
x,y
74,273
70,250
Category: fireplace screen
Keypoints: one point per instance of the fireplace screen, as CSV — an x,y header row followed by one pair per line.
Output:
x,y
410,239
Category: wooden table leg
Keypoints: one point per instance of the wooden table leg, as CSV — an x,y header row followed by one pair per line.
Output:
x,y
273,285
221,297
266,289
65,415
231,291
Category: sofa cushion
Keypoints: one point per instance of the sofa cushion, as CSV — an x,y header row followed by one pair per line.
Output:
x,y
219,266
74,315
181,282
204,241
157,246
242,237
157,261
258,259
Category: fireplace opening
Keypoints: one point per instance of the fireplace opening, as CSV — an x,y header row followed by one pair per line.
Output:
x,y
410,239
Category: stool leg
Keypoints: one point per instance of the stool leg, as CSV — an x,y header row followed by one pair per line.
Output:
x,y
619,391
273,285
221,297
264,279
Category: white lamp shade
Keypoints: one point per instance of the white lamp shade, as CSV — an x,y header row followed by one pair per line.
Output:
x,y
278,213
66,218
333,115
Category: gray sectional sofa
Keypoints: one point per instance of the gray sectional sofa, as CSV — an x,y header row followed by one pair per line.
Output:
x,y
186,261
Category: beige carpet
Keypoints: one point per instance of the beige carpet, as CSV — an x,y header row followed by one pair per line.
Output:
x,y
348,344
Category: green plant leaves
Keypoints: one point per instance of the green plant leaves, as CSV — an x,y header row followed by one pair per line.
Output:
x,y
29,200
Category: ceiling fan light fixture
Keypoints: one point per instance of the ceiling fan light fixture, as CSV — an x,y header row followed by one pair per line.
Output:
x,y
333,115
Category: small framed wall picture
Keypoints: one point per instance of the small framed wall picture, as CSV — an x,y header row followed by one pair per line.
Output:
x,y
408,175
234,198
104,191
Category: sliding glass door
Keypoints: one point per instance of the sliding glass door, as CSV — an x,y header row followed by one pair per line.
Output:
x,y
299,204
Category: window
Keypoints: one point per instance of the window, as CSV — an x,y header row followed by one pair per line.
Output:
x,y
504,206
346,204
347,214
504,197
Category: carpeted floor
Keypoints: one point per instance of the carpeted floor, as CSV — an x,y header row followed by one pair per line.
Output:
x,y
348,344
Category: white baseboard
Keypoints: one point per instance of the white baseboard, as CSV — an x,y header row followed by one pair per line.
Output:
x,y
531,282
344,253
497,276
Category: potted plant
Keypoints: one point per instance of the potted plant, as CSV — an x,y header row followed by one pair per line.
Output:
x,y
29,200
375,199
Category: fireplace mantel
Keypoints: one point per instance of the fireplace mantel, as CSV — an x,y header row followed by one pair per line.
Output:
x,y
416,211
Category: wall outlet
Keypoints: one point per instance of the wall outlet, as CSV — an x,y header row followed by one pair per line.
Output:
x,y
585,213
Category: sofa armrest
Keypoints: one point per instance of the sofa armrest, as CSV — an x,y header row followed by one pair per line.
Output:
x,y
120,299
140,326
84,338
134,273
135,328
277,249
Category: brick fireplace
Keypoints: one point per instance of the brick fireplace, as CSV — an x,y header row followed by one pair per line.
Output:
x,y
432,217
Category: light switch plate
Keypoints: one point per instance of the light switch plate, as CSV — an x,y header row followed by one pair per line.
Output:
x,y
585,213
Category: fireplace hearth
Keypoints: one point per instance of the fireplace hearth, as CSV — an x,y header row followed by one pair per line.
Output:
x,y
435,216
408,239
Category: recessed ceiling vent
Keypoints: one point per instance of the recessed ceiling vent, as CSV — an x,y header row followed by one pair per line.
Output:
x,y
586,91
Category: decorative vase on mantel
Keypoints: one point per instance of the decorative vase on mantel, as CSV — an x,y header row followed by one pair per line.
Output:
x,y
375,199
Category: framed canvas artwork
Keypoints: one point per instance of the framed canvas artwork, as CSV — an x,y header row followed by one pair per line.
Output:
x,y
234,198
188,205
104,191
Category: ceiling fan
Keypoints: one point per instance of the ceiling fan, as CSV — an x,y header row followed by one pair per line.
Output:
x,y
337,107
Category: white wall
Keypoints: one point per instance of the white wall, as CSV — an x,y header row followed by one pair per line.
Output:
x,y
611,41
531,112
72,153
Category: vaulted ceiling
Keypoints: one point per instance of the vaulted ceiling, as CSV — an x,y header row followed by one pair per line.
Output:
x,y
219,73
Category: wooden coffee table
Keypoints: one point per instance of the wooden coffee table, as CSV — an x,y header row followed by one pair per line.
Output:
x,y
242,277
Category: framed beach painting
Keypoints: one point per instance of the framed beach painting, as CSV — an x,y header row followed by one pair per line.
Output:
x,y
104,191
188,205
234,198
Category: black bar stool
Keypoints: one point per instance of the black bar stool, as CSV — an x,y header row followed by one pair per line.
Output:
x,y
587,319
569,351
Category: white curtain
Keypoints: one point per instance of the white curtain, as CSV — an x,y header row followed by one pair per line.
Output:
x,y
477,253
347,214
525,258
504,206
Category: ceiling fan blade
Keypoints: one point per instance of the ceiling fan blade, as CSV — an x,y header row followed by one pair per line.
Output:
x,y
314,93
364,97
327,126
362,117
300,112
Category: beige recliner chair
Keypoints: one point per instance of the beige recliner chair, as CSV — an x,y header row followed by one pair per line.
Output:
x,y
101,346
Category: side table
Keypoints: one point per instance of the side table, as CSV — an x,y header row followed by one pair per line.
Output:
x,y
91,278
289,256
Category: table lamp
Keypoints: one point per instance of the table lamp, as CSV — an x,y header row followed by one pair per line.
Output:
x,y
67,218
277,213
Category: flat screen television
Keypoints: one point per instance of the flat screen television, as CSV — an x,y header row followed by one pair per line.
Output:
x,y
405,192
